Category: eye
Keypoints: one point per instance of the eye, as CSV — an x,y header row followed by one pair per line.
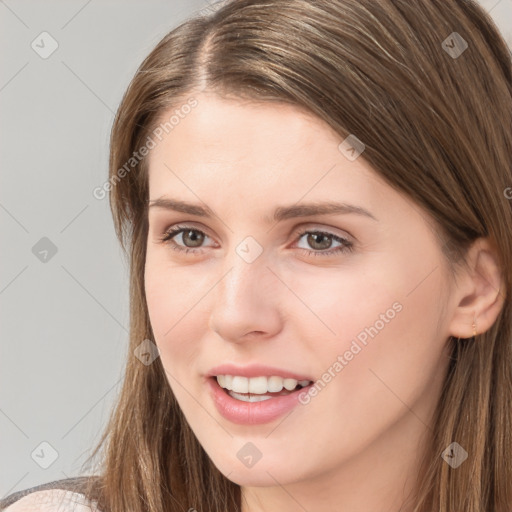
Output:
x,y
318,240
188,234
322,240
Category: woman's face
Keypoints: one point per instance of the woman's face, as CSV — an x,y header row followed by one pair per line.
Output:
x,y
356,300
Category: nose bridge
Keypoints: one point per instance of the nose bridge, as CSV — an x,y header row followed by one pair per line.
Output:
x,y
242,301
245,274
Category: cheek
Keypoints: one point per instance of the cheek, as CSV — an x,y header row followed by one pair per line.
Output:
x,y
387,350
383,318
334,305
175,313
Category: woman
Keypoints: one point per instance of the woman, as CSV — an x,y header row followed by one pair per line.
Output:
x,y
315,201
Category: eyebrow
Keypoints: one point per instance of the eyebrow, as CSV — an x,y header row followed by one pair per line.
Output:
x,y
280,213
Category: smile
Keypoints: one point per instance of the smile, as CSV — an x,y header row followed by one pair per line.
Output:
x,y
256,389
255,400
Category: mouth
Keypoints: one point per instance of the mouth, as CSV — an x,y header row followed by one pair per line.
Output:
x,y
256,394
258,389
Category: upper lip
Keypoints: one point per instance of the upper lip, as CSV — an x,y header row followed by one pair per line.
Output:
x,y
256,370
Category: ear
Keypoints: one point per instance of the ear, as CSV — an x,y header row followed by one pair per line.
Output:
x,y
480,291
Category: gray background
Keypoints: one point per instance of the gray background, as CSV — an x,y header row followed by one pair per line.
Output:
x,y
64,318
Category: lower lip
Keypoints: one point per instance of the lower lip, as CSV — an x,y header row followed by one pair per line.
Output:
x,y
252,413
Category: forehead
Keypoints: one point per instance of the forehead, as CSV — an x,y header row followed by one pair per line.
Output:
x,y
245,155
221,128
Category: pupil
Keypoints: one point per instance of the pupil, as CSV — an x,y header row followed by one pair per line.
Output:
x,y
195,238
321,236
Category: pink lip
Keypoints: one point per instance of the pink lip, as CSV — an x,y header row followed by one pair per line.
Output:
x,y
252,413
255,370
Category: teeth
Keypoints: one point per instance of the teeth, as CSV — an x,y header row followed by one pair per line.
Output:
x,y
258,385
240,384
275,384
290,384
249,398
221,379
228,380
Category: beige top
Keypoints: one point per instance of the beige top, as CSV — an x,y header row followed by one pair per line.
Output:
x,y
53,500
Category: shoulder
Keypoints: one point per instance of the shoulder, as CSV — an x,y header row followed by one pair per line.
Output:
x,y
66,495
52,500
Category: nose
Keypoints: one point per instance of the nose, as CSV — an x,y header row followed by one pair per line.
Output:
x,y
245,302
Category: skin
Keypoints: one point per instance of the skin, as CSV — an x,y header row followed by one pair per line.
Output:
x,y
356,446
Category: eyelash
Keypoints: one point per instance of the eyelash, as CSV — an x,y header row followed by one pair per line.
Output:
x,y
346,246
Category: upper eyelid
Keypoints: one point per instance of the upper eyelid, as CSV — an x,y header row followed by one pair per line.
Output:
x,y
299,230
179,227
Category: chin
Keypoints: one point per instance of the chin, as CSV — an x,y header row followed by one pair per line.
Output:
x,y
261,474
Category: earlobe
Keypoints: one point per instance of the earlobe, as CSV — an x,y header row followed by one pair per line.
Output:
x,y
480,294
488,315
488,322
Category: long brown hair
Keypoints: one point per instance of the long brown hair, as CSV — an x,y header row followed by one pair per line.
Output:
x,y
435,116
